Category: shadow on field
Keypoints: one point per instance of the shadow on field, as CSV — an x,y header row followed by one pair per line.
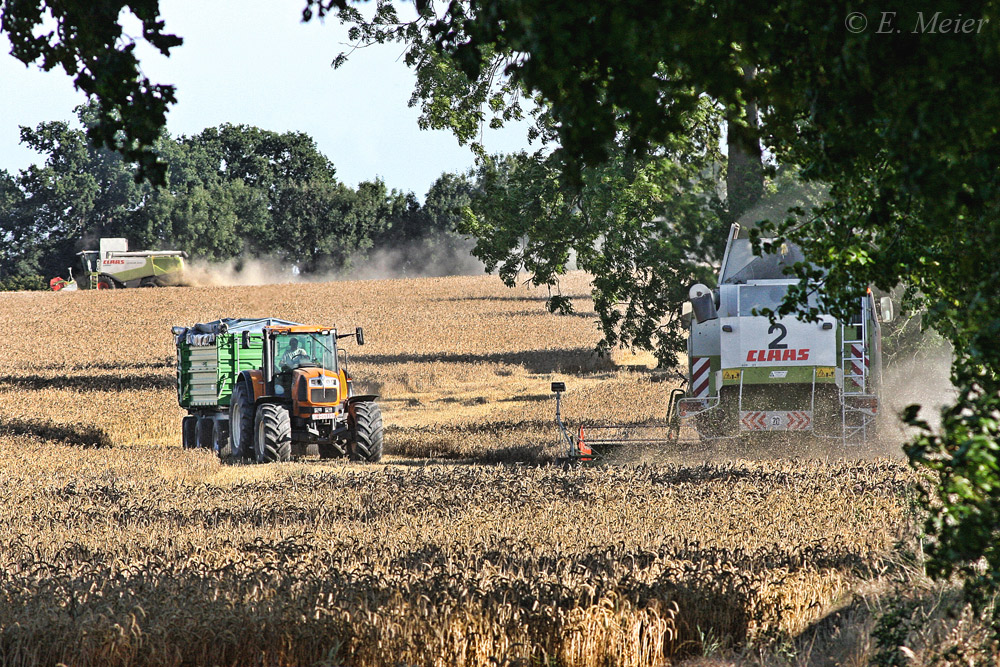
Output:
x,y
535,361
80,436
496,298
167,362
113,383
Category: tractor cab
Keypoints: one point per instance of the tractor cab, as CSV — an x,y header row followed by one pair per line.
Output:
x,y
302,368
309,354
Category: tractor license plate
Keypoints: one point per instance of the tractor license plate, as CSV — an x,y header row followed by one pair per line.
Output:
x,y
324,415
775,420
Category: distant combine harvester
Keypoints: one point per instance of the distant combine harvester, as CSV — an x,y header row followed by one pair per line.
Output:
x,y
114,266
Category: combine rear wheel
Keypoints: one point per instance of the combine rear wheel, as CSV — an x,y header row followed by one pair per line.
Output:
x,y
241,424
366,432
272,434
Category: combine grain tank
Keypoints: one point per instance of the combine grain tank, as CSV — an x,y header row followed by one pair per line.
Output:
x,y
265,389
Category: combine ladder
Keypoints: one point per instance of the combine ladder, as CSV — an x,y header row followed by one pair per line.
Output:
x,y
857,416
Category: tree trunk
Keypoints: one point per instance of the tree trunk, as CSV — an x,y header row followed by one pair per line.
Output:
x,y
745,172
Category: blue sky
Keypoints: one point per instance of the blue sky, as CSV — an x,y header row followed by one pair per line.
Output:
x,y
254,62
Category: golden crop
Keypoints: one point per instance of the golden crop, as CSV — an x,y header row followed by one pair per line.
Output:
x,y
138,552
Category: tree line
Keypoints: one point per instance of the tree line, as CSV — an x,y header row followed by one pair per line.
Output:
x,y
230,192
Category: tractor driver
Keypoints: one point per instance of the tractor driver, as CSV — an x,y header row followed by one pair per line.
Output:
x,y
293,355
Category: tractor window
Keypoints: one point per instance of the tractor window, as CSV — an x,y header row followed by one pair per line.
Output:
x,y
304,350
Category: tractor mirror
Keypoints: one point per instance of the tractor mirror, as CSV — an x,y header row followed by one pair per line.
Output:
x,y
558,386
359,335
246,340
686,314
888,314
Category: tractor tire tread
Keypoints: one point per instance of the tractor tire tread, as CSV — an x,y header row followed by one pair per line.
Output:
x,y
274,431
241,443
367,432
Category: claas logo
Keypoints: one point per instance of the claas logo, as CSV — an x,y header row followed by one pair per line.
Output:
x,y
778,355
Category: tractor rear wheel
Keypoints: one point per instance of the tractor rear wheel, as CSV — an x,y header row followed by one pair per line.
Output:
x,y
366,432
189,432
272,434
241,420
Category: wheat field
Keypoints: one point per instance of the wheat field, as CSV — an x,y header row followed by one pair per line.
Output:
x,y
466,546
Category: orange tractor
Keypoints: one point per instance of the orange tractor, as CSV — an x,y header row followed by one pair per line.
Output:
x,y
263,389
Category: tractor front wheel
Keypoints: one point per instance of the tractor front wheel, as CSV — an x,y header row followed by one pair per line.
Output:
x,y
272,434
366,432
241,420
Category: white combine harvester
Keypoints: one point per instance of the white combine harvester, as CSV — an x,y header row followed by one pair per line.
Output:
x,y
749,375
115,266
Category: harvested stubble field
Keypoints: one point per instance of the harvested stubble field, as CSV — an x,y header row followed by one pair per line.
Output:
x,y
463,547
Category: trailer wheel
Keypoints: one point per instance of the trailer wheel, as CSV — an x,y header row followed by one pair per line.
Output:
x,y
220,439
189,432
366,432
206,426
272,434
241,424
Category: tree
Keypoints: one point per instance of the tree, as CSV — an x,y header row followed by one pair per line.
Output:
x,y
89,44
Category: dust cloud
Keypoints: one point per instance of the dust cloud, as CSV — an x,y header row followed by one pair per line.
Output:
x,y
924,379
412,261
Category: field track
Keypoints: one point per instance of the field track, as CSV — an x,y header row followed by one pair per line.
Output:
x,y
464,548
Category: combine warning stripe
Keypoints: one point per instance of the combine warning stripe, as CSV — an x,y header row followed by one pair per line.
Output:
x,y
775,420
799,421
700,367
858,354
754,421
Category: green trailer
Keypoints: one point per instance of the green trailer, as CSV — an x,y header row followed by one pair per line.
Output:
x,y
210,357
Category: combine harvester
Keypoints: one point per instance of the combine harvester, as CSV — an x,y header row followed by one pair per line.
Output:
x,y
749,376
265,389
114,266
